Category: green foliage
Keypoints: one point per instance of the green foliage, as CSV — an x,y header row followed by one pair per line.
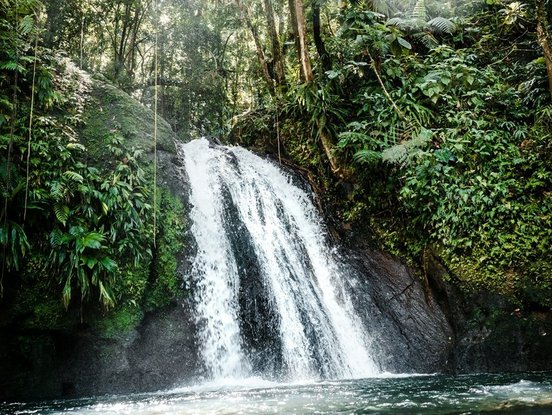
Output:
x,y
420,28
78,226
449,142
107,222
92,222
166,283
80,257
119,323
17,29
319,103
37,302
14,240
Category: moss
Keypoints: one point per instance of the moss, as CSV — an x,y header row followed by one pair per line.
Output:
x,y
524,286
504,320
118,323
110,109
165,283
38,308
36,305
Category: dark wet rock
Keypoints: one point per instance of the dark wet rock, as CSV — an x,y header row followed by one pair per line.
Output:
x,y
410,332
491,333
259,324
161,353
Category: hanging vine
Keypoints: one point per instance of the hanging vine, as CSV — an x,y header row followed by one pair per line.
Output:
x,y
31,113
156,87
10,143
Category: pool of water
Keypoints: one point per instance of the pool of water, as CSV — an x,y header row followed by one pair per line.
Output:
x,y
520,393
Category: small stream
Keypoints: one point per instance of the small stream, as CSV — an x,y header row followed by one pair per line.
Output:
x,y
522,393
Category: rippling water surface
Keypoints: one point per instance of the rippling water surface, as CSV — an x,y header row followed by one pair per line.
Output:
x,y
527,393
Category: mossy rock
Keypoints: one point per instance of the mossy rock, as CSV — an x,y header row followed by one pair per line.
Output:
x,y
110,110
118,324
166,284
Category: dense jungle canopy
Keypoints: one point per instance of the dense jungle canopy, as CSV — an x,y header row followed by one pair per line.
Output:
x,y
425,125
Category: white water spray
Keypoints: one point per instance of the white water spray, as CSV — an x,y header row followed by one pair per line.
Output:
x,y
319,333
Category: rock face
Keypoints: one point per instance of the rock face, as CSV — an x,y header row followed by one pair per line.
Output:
x,y
491,334
436,327
410,331
160,353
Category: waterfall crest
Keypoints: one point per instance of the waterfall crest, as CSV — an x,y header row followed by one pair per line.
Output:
x,y
271,296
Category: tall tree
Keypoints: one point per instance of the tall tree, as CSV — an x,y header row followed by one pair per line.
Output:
x,y
543,36
299,26
317,35
278,60
127,20
258,45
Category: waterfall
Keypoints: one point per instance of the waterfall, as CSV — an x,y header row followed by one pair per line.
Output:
x,y
271,296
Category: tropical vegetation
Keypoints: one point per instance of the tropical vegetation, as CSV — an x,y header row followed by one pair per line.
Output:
x,y
424,125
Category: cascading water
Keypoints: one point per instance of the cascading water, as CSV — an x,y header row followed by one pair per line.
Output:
x,y
271,297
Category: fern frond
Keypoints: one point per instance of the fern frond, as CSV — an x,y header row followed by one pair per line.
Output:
x,y
26,25
57,190
56,238
427,39
419,11
402,153
396,21
367,156
349,137
442,25
12,66
74,176
61,212
396,154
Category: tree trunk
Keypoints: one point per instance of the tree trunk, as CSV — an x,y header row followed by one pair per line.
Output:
x,y
293,24
130,58
318,41
258,46
300,31
279,70
544,40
